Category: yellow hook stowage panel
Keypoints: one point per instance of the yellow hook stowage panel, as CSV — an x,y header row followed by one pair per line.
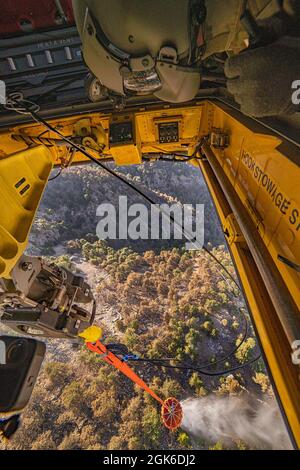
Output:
x,y
23,177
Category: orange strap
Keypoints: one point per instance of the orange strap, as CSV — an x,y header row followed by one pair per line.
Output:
x,y
113,360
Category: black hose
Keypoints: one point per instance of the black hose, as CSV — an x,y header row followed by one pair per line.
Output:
x,y
191,367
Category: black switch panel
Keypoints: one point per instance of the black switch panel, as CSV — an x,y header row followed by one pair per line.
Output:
x,y
168,132
121,133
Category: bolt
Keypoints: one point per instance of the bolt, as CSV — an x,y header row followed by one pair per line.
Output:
x,y
90,29
125,71
26,266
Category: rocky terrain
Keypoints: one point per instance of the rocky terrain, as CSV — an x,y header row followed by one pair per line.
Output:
x,y
68,208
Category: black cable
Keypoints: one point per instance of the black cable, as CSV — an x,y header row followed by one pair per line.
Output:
x,y
56,176
223,267
199,368
161,362
233,351
179,155
166,157
196,369
40,120
221,359
150,200
189,238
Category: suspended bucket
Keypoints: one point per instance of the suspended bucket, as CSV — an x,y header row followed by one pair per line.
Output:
x,y
171,413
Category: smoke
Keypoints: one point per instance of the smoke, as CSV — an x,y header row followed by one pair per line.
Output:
x,y
227,419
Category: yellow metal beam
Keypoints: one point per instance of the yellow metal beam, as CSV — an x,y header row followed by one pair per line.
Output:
x,y
274,342
23,178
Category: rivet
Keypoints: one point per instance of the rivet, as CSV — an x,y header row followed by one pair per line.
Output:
x,y
90,29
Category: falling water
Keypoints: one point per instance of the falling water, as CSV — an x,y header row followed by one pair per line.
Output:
x,y
258,424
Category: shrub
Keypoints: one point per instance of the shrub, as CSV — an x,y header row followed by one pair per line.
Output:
x,y
171,388
131,339
56,372
183,439
235,325
245,349
44,442
72,442
229,385
262,380
151,423
218,446
73,396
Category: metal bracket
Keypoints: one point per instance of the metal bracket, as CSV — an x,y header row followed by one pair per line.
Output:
x,y
232,230
94,138
219,139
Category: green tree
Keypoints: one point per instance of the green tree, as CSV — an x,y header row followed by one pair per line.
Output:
x,y
151,424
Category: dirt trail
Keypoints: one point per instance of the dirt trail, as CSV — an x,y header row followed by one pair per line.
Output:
x,y
105,316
